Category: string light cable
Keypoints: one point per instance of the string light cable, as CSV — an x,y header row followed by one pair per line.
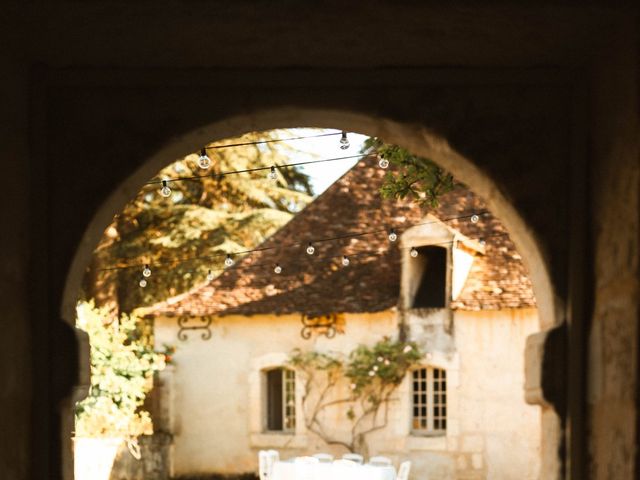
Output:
x,y
310,246
164,182
292,267
204,162
342,134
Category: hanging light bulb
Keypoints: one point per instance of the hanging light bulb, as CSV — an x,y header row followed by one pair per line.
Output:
x,y
272,174
310,249
146,271
393,236
210,276
204,161
228,261
165,191
383,163
475,218
413,252
143,283
277,268
345,261
344,141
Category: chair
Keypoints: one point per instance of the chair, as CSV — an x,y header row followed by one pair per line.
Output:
x,y
379,460
264,470
266,460
403,471
323,457
275,456
354,457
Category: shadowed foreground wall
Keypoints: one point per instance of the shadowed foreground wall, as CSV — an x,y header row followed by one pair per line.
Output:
x,y
614,341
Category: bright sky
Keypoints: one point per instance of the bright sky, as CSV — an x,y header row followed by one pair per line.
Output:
x,y
322,175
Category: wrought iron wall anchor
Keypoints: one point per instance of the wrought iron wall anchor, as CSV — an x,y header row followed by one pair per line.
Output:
x,y
323,325
194,323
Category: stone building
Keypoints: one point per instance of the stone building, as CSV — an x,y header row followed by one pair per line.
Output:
x,y
465,299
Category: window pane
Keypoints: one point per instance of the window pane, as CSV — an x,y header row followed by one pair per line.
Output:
x,y
274,400
290,400
429,400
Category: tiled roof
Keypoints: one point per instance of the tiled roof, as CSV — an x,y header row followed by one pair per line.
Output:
x,y
318,284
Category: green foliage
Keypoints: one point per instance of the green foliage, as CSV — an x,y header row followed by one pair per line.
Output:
x,y
372,374
207,216
415,177
122,367
386,363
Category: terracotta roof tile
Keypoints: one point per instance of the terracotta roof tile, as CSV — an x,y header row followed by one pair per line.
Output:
x,y
318,284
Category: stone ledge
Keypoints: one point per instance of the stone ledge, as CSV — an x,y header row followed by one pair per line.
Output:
x,y
436,443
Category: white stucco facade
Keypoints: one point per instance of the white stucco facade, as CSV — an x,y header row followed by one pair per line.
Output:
x,y
215,400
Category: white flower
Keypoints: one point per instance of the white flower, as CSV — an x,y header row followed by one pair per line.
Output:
x,y
407,349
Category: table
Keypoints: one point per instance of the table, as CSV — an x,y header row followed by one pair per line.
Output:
x,y
331,471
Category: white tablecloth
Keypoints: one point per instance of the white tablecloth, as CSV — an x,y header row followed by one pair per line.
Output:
x,y
330,471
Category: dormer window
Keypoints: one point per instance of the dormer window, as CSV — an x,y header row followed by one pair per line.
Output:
x,y
436,262
431,268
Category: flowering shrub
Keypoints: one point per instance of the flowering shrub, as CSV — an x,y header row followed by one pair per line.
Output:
x,y
122,366
373,373
384,364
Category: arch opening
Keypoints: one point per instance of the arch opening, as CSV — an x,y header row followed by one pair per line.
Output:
x,y
418,139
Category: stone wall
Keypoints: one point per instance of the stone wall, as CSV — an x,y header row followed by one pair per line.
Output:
x,y
216,396
153,463
111,458
614,340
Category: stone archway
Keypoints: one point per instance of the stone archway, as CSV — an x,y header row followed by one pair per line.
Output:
x,y
415,137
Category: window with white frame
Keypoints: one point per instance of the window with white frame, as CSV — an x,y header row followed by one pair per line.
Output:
x,y
429,401
280,400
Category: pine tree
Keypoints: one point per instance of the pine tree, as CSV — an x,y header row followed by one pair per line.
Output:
x,y
208,215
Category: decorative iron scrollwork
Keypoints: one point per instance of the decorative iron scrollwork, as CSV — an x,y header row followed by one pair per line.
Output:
x,y
327,325
194,323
